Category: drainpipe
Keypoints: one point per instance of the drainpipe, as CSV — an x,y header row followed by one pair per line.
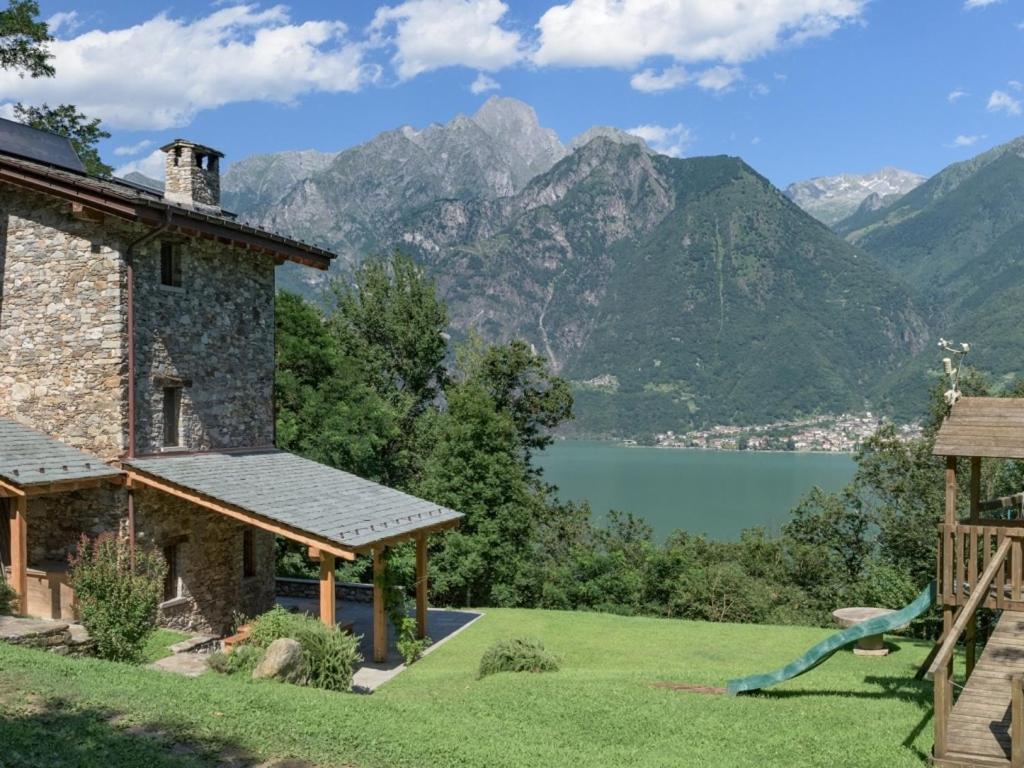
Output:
x,y
129,257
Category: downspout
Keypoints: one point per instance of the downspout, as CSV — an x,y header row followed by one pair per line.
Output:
x,y
129,257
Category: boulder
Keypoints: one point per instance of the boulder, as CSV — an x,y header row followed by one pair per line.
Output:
x,y
282,661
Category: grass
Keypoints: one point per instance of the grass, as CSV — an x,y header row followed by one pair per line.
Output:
x,y
600,708
158,646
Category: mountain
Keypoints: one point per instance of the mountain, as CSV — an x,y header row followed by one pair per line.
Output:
x,y
831,199
958,240
672,292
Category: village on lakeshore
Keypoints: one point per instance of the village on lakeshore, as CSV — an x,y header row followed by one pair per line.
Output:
x,y
841,433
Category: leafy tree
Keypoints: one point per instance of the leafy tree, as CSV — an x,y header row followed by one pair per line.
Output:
x,y
23,40
66,120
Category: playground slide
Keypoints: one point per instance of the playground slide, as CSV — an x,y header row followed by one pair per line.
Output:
x,y
833,643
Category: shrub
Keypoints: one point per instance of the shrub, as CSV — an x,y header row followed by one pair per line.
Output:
x,y
243,658
517,655
328,655
8,597
410,646
117,601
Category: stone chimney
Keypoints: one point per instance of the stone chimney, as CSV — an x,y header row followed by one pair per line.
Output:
x,y
193,175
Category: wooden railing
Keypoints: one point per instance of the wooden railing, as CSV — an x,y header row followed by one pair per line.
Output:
x,y
962,548
965,550
1017,721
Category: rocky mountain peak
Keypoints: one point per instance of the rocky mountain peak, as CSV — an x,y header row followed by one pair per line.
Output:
x,y
607,132
832,198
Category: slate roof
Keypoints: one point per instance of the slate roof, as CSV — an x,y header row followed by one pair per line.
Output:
x,y
138,203
983,426
314,498
29,458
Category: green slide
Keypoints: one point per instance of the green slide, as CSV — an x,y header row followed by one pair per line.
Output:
x,y
833,643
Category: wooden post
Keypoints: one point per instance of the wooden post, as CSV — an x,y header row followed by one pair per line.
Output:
x,y
19,553
975,488
380,626
950,517
421,585
941,714
328,601
1017,721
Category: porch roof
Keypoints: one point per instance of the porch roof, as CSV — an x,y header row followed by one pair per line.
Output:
x,y
329,505
33,461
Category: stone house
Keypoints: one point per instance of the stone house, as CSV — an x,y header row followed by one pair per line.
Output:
x,y
136,390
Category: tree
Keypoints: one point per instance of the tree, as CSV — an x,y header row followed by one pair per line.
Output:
x,y
65,119
23,40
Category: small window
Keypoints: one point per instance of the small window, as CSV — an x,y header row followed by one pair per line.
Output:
x,y
170,264
248,553
172,417
172,581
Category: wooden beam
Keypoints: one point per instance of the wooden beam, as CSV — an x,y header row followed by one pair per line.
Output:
x,y
380,625
19,553
327,596
11,490
245,516
421,585
950,490
408,535
975,488
1017,721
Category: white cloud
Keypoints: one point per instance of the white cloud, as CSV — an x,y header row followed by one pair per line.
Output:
x,y
64,21
160,73
1016,85
963,140
955,95
969,4
624,33
430,34
650,80
132,149
756,140
668,140
484,83
1002,101
716,78
151,165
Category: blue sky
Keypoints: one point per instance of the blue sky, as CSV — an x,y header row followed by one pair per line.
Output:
x,y
797,88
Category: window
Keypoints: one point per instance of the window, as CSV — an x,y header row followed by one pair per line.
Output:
x,y
172,581
172,417
170,264
248,553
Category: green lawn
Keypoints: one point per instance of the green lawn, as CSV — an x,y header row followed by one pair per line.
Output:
x,y
158,646
600,709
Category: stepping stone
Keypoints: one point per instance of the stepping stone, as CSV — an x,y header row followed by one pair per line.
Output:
x,y
187,664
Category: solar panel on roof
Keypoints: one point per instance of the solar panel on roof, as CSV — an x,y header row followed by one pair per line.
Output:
x,y
43,146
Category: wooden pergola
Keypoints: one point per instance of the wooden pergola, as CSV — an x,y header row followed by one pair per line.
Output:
x,y
336,515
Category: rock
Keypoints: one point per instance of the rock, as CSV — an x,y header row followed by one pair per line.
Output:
x,y
283,661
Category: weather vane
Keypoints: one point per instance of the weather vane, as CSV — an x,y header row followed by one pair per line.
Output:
x,y
958,353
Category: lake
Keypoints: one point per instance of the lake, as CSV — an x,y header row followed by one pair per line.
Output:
x,y
718,493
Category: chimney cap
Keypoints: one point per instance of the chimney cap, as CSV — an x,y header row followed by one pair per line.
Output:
x,y
201,148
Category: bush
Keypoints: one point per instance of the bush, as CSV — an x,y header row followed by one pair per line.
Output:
x,y
410,646
517,655
117,602
243,658
328,655
8,597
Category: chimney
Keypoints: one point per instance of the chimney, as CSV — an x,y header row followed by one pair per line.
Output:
x,y
193,175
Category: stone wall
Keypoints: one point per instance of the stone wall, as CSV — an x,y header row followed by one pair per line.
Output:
x,y
215,335
63,357
56,523
349,591
209,561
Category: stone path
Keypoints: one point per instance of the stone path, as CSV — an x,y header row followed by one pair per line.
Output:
x,y
187,664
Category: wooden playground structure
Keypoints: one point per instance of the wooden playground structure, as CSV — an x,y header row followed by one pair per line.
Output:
x,y
979,719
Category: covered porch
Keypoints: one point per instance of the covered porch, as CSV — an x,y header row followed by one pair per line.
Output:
x,y
35,468
334,514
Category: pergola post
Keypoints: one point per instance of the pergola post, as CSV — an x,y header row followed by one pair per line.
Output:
x,y
950,519
971,639
380,626
328,600
19,553
421,585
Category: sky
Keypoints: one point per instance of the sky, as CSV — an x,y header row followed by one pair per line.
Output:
x,y
797,88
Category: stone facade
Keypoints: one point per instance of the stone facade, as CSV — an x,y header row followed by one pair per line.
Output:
x,y
214,335
64,371
63,352
210,562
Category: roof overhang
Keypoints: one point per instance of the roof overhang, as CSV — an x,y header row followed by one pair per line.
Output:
x,y
309,503
132,205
